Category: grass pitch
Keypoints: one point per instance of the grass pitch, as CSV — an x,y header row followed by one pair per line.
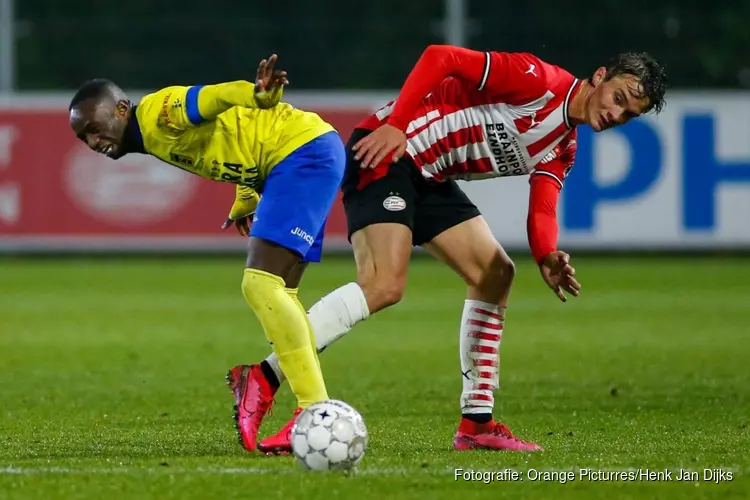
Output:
x,y
111,375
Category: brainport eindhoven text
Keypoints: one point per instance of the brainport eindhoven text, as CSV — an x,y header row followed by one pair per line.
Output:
x,y
594,475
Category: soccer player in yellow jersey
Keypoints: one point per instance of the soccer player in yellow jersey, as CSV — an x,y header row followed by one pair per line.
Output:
x,y
240,132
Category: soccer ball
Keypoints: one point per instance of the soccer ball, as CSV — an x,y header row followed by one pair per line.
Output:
x,y
329,435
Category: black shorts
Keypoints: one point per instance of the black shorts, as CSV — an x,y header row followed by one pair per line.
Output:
x,y
402,196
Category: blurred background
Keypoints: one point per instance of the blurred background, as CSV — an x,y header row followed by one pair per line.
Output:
x,y
679,180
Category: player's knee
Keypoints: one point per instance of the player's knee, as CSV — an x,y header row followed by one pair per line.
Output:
x,y
495,277
249,285
386,295
392,293
502,272
382,290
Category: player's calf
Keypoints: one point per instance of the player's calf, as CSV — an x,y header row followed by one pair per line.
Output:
x,y
473,252
482,325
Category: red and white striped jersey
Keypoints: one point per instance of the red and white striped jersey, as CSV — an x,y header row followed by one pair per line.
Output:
x,y
511,120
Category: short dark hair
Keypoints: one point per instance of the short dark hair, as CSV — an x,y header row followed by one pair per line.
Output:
x,y
650,73
97,87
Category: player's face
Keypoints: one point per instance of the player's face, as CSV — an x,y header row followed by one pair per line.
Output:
x,y
100,123
614,101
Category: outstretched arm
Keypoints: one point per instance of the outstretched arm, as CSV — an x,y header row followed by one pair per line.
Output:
x,y
206,102
437,63
541,223
542,233
514,76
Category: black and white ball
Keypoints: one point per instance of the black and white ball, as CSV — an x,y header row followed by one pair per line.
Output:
x,y
329,435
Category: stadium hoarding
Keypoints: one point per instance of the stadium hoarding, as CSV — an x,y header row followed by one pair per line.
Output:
x,y
677,181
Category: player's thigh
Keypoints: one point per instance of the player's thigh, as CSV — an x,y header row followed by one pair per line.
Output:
x,y
454,231
440,207
380,208
382,252
297,197
471,250
268,256
294,277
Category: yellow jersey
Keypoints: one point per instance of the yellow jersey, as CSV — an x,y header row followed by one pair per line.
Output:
x,y
225,132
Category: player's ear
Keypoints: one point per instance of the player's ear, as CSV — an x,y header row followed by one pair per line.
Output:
x,y
123,106
598,76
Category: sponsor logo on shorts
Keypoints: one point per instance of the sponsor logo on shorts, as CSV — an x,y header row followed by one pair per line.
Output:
x,y
303,234
394,203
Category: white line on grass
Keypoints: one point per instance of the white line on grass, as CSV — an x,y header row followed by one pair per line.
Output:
x,y
370,471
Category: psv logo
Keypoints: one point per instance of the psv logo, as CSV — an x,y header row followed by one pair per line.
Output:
x,y
394,203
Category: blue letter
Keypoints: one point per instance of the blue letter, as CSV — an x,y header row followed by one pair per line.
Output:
x,y
702,173
582,194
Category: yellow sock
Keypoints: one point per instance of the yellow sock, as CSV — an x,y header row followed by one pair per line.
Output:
x,y
286,326
294,294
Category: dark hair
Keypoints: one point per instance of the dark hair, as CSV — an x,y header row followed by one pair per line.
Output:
x,y
97,87
647,70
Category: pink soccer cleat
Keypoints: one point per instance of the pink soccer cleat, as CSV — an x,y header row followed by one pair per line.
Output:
x,y
490,436
253,397
280,443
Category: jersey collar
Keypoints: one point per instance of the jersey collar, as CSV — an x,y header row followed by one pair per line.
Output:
x,y
572,91
133,139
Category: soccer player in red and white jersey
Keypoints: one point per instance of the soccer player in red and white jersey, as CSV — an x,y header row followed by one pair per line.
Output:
x,y
464,114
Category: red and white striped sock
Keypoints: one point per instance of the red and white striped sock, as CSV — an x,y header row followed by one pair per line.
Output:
x,y
481,331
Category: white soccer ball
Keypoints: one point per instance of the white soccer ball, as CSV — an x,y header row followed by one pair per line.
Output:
x,y
329,435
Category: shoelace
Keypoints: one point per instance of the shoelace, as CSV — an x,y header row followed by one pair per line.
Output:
x,y
266,403
501,430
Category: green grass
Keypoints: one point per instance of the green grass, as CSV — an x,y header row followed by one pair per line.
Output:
x,y
111,381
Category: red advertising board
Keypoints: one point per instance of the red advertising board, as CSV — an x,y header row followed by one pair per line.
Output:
x,y
56,192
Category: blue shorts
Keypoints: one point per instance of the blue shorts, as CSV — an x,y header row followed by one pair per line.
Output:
x,y
298,195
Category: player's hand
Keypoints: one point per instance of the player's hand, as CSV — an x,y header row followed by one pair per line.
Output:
x,y
560,275
385,140
241,223
269,82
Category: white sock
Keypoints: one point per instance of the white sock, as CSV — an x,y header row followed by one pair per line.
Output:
x,y
331,317
479,346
